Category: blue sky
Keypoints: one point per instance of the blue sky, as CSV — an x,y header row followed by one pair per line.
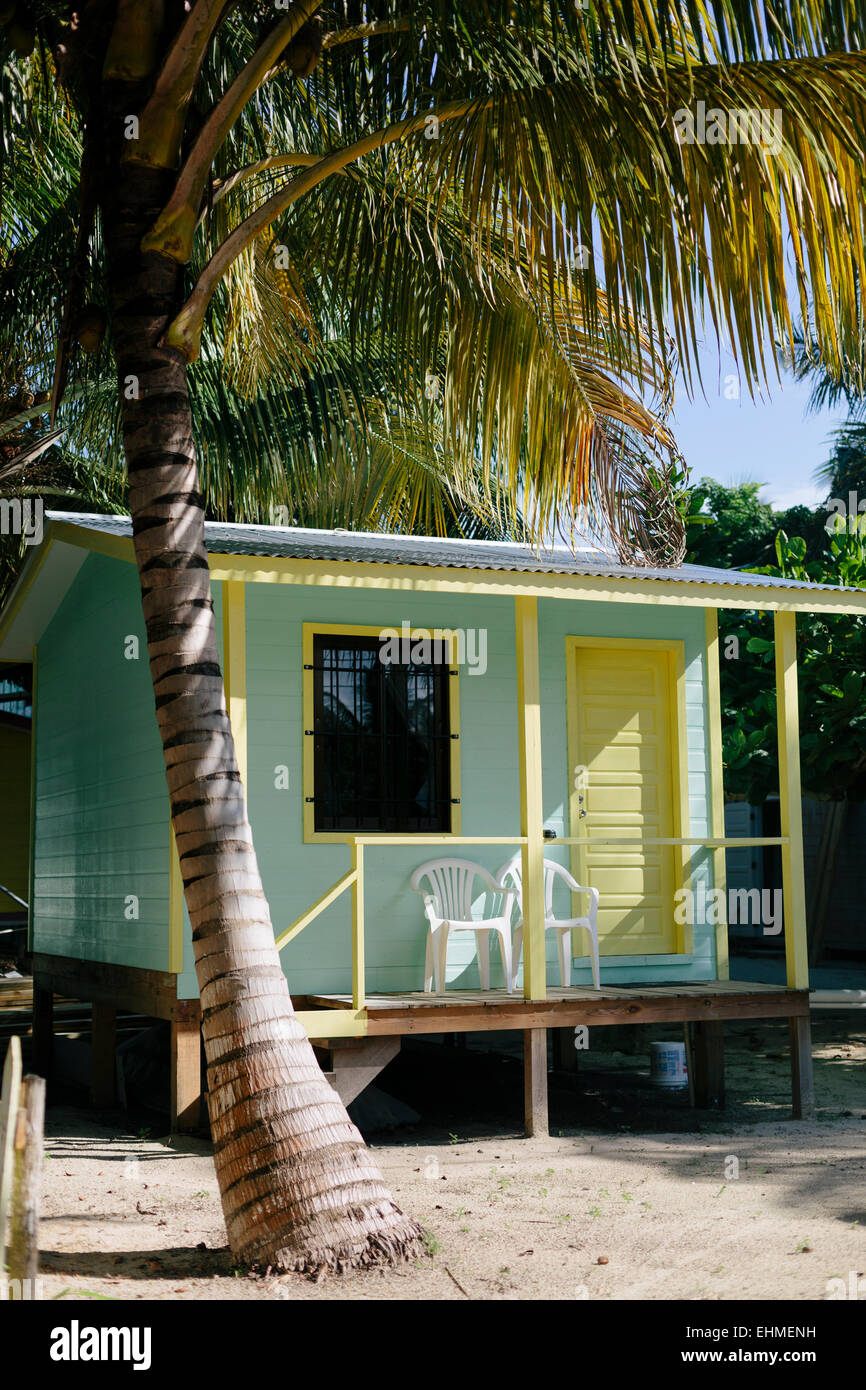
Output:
x,y
773,440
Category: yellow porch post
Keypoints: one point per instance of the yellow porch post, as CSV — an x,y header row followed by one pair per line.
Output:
x,y
359,995
717,793
235,668
790,803
531,811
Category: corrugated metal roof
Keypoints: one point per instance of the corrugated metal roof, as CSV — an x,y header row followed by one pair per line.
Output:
x,y
224,538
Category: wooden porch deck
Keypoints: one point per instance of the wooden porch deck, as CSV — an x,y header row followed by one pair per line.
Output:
x,y
479,1010
700,1008
353,1060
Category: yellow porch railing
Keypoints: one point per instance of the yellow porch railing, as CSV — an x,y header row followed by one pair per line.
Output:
x,y
721,843
351,1021
354,879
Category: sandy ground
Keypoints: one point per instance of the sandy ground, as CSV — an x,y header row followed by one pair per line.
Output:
x,y
743,1205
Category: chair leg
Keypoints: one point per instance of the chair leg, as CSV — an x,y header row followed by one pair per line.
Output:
x,y
482,940
516,948
428,963
593,953
505,948
564,944
441,956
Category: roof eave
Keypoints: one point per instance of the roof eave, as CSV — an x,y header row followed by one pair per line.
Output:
x,y
453,580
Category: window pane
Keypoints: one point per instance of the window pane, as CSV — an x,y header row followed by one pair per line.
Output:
x,y
382,731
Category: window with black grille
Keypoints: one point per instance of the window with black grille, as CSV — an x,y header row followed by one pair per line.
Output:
x,y
382,735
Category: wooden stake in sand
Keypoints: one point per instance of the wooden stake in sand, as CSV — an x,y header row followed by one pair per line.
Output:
x,y
22,1125
9,1100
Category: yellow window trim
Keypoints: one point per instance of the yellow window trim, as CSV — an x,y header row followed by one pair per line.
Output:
x,y
678,743
313,630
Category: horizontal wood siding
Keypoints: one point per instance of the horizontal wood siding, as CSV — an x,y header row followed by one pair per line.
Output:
x,y
101,833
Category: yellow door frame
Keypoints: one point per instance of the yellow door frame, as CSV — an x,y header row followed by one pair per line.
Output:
x,y
678,743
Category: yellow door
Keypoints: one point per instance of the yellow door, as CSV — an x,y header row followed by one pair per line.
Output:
x,y
625,781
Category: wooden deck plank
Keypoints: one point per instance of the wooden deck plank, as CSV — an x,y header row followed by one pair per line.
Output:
x,y
501,998
479,1011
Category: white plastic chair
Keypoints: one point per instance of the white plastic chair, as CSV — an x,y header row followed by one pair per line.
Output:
x,y
448,888
563,926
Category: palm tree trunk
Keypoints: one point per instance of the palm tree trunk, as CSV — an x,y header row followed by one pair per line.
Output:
x,y
299,1188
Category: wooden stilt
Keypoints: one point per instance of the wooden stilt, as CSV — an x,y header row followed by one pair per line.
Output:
x,y
185,1075
535,1081
103,1075
690,1062
43,1030
802,1075
708,1056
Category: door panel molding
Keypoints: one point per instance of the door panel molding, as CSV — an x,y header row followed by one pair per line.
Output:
x,y
635,758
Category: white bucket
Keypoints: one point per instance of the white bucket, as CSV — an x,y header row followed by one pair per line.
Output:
x,y
668,1065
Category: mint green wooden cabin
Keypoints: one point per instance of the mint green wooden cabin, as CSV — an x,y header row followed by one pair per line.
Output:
x,y
576,714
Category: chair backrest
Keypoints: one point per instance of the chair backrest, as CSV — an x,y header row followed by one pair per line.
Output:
x,y
511,876
451,884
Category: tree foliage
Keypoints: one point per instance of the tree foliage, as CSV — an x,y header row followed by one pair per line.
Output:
x,y
831,649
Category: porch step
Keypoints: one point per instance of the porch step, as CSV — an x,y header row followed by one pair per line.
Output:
x,y
353,1063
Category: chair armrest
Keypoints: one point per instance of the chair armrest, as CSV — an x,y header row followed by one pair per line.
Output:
x,y
592,894
576,887
509,896
432,910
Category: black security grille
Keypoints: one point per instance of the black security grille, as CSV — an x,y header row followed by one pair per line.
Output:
x,y
382,738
